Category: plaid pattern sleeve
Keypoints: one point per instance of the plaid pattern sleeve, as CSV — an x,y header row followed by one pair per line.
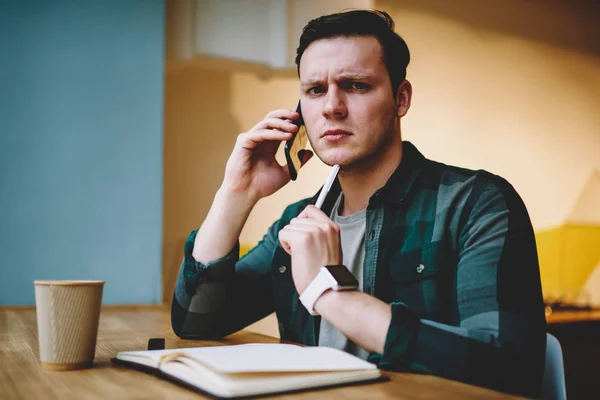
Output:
x,y
495,336
226,295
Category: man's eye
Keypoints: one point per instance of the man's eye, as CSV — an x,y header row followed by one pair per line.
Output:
x,y
359,86
316,90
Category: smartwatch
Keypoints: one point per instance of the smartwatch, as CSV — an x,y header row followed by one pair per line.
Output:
x,y
335,277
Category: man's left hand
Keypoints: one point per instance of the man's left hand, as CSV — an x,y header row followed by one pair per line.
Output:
x,y
312,240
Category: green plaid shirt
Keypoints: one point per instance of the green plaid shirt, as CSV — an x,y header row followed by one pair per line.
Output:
x,y
451,250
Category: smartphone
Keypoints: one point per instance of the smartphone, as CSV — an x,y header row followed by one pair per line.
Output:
x,y
295,145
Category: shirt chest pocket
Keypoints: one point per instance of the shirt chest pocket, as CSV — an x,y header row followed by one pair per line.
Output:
x,y
423,279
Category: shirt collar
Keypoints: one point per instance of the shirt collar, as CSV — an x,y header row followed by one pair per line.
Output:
x,y
397,186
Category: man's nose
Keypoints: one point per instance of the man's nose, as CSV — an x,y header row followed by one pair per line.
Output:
x,y
335,104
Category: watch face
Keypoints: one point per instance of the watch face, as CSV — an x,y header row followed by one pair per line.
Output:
x,y
342,275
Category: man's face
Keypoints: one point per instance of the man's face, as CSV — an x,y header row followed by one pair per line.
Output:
x,y
347,101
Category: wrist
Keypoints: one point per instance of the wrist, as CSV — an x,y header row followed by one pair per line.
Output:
x,y
233,200
325,301
331,278
222,226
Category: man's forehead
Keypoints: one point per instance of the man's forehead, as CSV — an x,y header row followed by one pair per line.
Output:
x,y
342,57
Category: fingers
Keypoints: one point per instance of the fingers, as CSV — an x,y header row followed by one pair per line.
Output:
x,y
322,240
276,126
283,113
279,119
308,224
276,123
304,237
313,212
323,230
286,238
250,139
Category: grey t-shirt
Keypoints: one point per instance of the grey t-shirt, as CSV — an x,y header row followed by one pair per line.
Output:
x,y
352,233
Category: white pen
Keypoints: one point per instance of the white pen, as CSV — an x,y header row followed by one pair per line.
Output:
x,y
334,171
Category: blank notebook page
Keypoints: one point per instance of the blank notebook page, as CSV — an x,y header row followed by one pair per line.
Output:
x,y
276,357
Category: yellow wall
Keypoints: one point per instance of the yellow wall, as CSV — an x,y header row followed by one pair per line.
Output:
x,y
568,255
582,253
550,244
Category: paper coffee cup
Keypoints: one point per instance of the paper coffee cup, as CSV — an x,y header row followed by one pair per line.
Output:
x,y
68,313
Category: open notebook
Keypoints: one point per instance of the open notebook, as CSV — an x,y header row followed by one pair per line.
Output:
x,y
253,369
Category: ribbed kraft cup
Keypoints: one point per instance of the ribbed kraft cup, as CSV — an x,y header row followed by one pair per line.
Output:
x,y
68,313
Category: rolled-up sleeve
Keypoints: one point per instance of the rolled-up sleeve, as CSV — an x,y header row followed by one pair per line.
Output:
x,y
219,298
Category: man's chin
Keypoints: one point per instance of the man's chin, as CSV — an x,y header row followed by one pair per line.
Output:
x,y
343,162
344,157
347,161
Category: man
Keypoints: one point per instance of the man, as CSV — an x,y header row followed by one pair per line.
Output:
x,y
445,257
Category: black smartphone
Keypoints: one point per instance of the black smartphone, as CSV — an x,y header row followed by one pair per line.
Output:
x,y
295,146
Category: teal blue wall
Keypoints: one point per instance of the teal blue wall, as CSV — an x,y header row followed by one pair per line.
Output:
x,y
81,118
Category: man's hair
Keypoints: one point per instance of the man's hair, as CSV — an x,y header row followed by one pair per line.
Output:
x,y
361,23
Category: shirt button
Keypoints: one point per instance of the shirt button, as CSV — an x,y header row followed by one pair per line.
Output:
x,y
282,269
372,234
420,268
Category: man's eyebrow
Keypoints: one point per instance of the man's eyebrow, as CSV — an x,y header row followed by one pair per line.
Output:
x,y
311,82
352,77
343,77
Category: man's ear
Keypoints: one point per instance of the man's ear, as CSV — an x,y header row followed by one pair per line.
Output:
x,y
403,98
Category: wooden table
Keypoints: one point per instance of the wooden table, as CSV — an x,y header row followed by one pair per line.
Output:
x,y
129,328
561,317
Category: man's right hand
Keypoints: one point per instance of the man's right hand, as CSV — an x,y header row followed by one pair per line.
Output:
x,y
252,169
252,173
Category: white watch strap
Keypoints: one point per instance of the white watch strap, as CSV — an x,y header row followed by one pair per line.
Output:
x,y
315,289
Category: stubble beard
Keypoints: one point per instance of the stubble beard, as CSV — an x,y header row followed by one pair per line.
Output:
x,y
361,163
370,160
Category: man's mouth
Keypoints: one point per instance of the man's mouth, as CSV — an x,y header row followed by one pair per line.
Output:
x,y
335,134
